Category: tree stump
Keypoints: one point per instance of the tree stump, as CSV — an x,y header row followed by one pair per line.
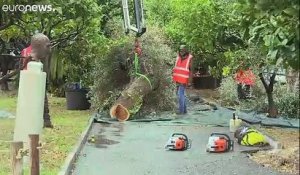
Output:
x,y
131,99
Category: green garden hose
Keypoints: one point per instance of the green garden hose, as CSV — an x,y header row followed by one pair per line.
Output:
x,y
136,67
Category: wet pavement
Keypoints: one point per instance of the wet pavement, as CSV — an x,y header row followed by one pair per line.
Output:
x,y
137,148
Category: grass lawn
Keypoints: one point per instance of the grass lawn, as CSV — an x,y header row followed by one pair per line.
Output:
x,y
68,126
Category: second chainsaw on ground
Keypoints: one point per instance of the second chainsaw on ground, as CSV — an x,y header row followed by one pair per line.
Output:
x,y
219,142
178,142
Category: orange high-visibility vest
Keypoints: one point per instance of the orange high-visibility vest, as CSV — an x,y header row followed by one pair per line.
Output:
x,y
26,52
181,71
245,77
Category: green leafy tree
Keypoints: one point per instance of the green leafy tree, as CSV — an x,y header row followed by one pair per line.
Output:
x,y
158,11
271,28
202,25
73,28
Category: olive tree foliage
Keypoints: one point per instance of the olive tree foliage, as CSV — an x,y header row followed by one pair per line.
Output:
x,y
74,28
271,29
111,9
194,22
110,73
273,26
158,12
228,35
114,69
66,19
201,24
75,63
161,58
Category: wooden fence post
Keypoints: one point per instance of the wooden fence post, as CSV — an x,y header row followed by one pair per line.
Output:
x,y
34,154
16,162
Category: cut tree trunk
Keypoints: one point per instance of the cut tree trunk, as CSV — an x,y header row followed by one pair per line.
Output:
x,y
131,99
273,111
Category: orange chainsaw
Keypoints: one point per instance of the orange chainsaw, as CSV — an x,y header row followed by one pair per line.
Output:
x,y
179,142
218,143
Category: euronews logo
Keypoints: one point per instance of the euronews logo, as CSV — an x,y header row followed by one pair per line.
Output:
x,y
27,8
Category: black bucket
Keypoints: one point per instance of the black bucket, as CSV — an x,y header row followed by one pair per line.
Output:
x,y
77,99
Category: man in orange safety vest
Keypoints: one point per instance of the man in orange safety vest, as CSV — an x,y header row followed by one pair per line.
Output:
x,y
182,76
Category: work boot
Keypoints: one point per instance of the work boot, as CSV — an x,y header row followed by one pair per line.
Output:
x,y
48,124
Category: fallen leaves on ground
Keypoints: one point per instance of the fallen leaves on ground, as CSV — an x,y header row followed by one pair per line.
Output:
x,y
285,160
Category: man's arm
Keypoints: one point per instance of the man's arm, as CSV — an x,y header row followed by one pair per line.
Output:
x,y
26,57
25,61
191,73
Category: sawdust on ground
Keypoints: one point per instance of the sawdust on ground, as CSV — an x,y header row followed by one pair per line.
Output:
x,y
285,160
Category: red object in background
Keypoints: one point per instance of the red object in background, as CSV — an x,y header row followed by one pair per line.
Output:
x,y
25,53
245,77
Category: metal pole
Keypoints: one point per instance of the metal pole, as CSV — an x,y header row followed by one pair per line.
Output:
x,y
126,16
137,10
142,14
34,154
139,17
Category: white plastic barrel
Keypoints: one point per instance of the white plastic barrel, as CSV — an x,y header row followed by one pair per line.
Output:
x,y
30,104
234,124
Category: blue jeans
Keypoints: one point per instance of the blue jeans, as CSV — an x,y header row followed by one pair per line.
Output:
x,y
181,98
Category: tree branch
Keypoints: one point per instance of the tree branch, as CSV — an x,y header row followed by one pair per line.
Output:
x,y
4,26
11,18
22,28
272,81
262,79
59,41
54,25
42,25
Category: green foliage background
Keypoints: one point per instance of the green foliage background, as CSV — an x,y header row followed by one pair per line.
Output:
x,y
221,34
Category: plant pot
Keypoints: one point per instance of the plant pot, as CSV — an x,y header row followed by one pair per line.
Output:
x,y
206,82
77,99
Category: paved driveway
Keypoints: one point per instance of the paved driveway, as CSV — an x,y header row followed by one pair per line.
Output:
x,y
133,148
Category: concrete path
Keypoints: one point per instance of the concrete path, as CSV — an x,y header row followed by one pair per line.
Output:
x,y
138,149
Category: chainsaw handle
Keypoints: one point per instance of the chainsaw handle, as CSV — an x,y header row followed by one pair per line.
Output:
x,y
221,134
180,134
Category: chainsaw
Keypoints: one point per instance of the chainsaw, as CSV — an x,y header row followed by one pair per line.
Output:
x,y
218,143
179,142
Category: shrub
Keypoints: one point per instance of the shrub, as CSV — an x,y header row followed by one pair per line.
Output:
x,y
228,91
229,97
286,101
